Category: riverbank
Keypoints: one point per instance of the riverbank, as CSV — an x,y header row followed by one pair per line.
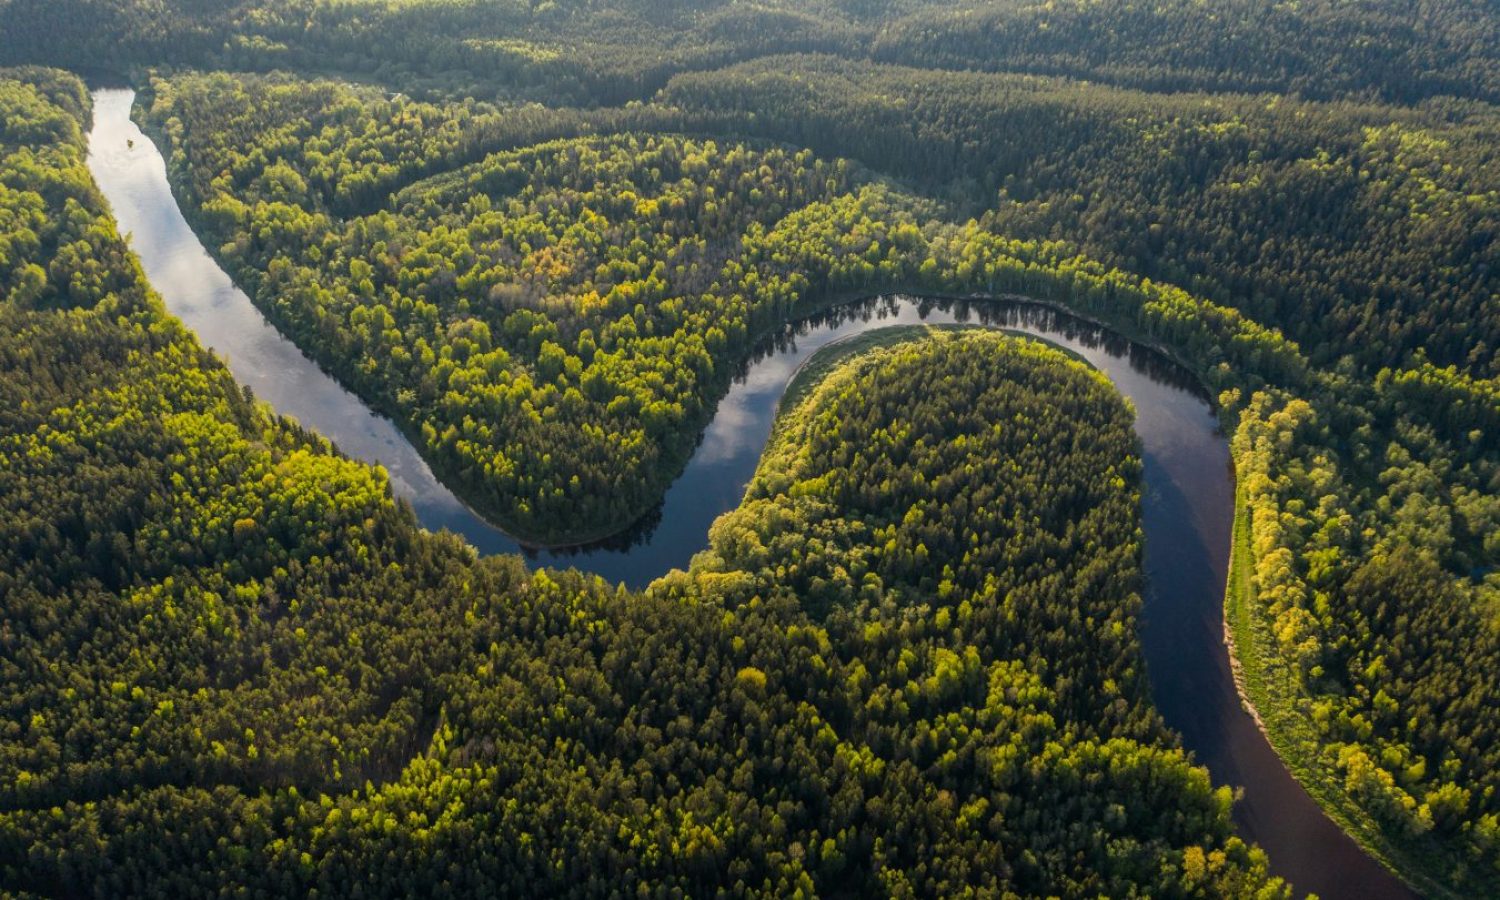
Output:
x,y
817,367
1265,683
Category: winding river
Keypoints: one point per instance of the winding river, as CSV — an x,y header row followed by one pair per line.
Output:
x,y
1187,501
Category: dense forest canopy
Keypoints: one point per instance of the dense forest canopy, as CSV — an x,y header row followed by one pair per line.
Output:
x,y
550,321
1358,228
232,659
543,236
1334,443
593,52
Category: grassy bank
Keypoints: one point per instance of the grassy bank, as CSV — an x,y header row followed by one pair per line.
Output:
x,y
1274,697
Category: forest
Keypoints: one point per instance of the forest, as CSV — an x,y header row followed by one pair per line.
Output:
x,y
232,659
544,320
1369,453
544,237
607,53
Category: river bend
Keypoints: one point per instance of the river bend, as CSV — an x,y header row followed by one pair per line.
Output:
x,y
1187,494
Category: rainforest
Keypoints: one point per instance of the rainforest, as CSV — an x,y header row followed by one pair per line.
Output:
x,y
722,448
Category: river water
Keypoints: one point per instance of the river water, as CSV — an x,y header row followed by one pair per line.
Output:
x,y
1187,496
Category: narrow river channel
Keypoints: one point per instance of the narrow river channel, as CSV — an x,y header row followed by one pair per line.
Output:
x,y
1187,497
